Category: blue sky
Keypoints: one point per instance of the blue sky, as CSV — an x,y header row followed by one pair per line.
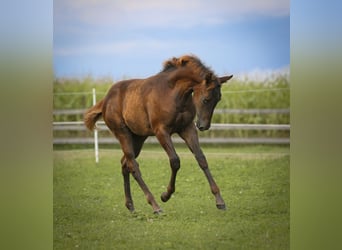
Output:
x,y
133,38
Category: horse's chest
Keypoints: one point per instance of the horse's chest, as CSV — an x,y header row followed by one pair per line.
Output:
x,y
183,119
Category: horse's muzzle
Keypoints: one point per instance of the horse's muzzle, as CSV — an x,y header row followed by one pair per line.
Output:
x,y
202,126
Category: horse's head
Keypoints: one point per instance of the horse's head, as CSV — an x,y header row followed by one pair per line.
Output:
x,y
205,85
205,97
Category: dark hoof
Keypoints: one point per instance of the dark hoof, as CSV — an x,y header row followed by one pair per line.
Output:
x,y
159,211
165,197
130,207
221,206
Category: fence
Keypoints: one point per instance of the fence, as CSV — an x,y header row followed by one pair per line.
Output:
x,y
217,111
79,126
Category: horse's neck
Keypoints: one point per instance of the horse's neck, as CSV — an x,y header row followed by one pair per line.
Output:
x,y
184,78
183,81
183,93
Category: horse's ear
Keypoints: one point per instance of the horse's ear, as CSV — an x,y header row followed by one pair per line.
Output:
x,y
208,78
223,79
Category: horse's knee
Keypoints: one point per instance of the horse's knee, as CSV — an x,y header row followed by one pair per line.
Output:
x,y
128,163
175,163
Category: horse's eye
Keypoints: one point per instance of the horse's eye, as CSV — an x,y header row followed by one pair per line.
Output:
x,y
205,101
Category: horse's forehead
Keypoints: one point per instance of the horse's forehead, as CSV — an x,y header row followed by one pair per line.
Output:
x,y
214,84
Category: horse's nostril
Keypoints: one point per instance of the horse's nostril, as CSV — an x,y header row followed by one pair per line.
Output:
x,y
198,125
201,128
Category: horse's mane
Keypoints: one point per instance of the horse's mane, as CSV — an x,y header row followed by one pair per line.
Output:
x,y
190,61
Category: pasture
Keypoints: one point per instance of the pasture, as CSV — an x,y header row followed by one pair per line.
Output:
x,y
89,210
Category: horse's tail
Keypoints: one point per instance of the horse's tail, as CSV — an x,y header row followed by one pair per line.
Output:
x,y
93,114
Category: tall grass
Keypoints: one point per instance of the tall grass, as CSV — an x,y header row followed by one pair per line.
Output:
x,y
73,93
236,94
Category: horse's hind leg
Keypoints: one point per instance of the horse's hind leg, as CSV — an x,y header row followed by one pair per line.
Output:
x,y
125,172
129,147
127,186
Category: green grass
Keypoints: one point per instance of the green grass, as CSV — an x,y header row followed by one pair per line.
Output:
x,y
89,210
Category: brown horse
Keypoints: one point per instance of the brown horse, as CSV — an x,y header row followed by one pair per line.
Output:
x,y
161,105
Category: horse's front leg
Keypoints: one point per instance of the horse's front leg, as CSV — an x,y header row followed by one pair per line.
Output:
x,y
165,141
191,138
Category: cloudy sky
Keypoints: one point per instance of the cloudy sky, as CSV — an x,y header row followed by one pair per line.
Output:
x,y
132,38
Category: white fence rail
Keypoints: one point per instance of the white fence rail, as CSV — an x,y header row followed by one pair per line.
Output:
x,y
216,111
176,139
79,126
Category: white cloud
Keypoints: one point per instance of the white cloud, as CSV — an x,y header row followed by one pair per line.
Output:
x,y
155,13
118,47
126,27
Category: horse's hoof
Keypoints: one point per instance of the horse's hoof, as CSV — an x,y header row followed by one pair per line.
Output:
x,y
165,197
130,207
158,211
221,206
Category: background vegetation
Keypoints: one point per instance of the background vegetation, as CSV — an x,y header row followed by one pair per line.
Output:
x,y
273,93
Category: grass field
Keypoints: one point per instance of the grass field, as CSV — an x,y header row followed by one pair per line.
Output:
x,y
89,210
